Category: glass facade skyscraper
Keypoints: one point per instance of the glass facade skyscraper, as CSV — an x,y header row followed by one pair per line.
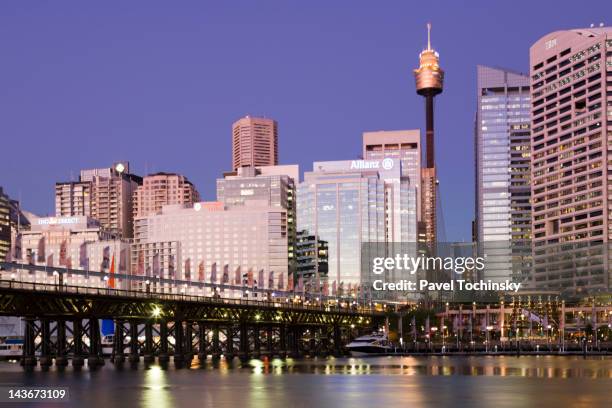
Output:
x,y
403,190
503,209
355,202
343,203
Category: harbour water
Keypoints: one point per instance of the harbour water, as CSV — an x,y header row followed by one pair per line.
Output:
x,y
458,381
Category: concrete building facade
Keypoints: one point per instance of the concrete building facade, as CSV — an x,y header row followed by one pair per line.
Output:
x,y
254,142
571,131
162,189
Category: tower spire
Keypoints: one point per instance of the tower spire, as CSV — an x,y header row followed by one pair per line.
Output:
x,y
428,36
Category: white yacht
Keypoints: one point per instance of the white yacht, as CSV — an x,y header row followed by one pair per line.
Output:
x,y
371,344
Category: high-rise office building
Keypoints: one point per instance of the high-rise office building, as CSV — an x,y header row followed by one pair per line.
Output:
x,y
571,131
403,193
105,194
502,140
12,221
162,189
275,185
254,142
5,225
344,204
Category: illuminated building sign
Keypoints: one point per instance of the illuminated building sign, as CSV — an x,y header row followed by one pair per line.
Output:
x,y
58,220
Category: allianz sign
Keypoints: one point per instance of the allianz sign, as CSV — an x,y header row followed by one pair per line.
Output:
x,y
386,164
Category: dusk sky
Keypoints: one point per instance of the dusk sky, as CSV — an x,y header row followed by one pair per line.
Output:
x,y
85,84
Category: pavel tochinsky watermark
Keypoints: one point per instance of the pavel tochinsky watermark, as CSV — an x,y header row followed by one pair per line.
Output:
x,y
403,263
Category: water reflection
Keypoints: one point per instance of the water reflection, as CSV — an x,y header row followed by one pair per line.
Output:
x,y
353,382
155,390
498,366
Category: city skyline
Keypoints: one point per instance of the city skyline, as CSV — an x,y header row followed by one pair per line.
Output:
x,y
127,111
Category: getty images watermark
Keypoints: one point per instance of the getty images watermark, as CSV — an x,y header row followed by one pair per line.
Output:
x,y
452,267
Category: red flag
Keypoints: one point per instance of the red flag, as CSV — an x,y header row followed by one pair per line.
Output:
x,y
111,281
301,284
281,282
326,288
290,283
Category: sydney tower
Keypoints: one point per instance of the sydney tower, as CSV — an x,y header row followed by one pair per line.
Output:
x,y
429,83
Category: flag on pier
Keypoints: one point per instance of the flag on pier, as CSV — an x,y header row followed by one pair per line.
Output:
x,y
250,278
300,287
50,260
122,263
341,289
111,280
83,261
141,265
201,271
334,289
213,273
271,280
171,274
63,251
225,280
261,279
105,259
225,277
156,268
290,283
237,276
281,282
187,273
41,250
326,288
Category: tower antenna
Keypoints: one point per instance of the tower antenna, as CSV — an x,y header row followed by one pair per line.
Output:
x,y
429,36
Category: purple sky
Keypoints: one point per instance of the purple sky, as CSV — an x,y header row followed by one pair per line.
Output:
x,y
83,85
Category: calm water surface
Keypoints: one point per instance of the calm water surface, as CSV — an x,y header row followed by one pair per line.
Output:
x,y
499,381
